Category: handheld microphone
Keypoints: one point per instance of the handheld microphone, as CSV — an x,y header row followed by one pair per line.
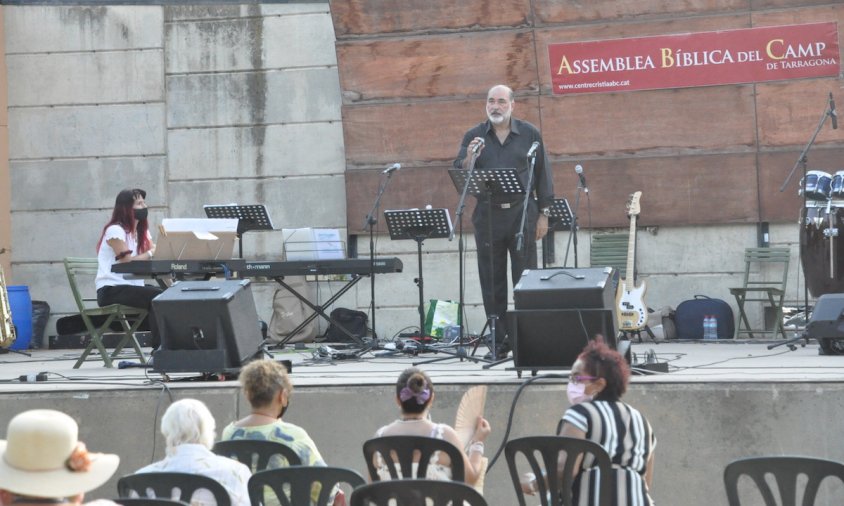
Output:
x,y
478,146
533,148
579,170
391,168
832,114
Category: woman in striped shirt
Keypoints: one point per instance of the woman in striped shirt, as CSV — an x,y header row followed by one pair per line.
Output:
x,y
598,379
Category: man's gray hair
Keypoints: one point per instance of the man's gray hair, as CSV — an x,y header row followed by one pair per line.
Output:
x,y
188,421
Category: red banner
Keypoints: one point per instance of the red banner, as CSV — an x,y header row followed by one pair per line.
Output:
x,y
696,59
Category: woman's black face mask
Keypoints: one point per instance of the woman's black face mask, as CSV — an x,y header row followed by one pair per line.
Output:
x,y
141,214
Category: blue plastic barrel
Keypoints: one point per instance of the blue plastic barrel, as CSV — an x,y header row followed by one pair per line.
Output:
x,y
21,305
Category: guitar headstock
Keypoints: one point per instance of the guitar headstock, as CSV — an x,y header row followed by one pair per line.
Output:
x,y
633,204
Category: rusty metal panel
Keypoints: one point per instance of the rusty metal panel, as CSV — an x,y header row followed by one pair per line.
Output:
x,y
374,17
554,11
421,133
436,66
716,118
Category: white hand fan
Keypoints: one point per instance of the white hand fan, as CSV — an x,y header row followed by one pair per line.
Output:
x,y
470,408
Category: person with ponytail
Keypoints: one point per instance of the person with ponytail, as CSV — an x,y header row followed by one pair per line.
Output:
x,y
124,238
414,396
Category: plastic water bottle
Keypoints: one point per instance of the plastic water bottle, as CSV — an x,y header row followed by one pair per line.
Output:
x,y
713,327
708,327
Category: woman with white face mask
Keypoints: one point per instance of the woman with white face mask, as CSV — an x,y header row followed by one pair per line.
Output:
x,y
598,380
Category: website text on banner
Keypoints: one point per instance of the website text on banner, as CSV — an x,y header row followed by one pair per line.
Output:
x,y
696,59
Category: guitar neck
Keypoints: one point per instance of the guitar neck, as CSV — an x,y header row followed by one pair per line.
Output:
x,y
629,274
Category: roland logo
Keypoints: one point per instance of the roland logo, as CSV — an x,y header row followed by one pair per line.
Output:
x,y
178,267
257,267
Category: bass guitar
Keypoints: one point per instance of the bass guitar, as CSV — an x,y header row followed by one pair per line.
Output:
x,y
630,297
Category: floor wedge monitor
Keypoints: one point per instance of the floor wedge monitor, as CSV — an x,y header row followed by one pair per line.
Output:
x,y
206,326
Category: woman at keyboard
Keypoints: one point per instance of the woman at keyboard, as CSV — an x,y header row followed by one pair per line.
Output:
x,y
124,238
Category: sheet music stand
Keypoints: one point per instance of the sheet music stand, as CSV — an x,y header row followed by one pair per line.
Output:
x,y
485,184
419,224
560,217
250,217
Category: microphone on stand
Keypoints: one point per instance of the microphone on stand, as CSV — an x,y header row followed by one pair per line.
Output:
x,y
832,114
391,168
579,170
533,147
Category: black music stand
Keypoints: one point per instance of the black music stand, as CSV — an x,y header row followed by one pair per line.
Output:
x,y
249,217
560,218
419,224
485,184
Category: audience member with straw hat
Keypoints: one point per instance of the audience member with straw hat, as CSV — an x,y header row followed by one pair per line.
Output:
x,y
42,461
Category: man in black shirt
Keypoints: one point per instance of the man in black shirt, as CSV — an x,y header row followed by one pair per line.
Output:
x,y
503,142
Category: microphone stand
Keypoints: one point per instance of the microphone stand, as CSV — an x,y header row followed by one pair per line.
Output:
x,y
573,234
371,220
520,237
803,162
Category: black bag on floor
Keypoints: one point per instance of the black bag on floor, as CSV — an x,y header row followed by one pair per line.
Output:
x,y
351,320
690,313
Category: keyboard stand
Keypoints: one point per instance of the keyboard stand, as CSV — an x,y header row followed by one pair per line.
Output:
x,y
319,310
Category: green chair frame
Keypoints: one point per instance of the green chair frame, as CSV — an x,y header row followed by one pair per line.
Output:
x,y
130,318
765,277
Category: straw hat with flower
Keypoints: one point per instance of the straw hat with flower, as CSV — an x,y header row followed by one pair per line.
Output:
x,y
43,457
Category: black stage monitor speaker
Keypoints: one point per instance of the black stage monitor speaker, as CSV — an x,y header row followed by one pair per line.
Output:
x,y
557,312
206,326
592,288
827,323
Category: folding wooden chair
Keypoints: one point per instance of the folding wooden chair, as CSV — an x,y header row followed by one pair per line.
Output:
x,y
130,318
765,276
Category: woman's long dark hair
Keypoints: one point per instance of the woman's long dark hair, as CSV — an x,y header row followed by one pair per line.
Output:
x,y
124,215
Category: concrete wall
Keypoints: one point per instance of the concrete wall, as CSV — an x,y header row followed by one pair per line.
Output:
x,y
220,104
699,427
5,187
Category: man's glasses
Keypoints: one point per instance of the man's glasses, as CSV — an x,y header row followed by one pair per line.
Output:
x,y
582,379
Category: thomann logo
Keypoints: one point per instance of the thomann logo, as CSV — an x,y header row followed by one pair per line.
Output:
x,y
257,267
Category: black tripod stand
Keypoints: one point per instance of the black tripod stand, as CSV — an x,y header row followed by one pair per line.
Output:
x,y
419,224
803,162
371,220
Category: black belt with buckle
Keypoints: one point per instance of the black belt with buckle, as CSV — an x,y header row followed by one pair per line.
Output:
x,y
507,205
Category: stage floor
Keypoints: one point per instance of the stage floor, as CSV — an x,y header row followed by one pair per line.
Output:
x,y
688,362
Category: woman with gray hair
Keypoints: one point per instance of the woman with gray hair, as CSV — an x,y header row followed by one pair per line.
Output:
x,y
189,431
